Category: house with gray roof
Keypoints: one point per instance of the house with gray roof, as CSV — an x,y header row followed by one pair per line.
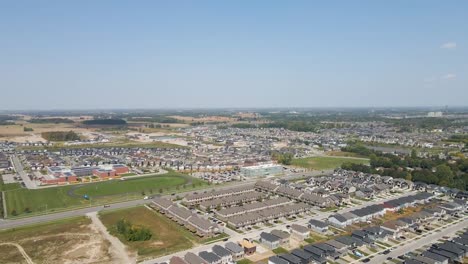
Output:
x,y
276,260
194,259
290,258
318,226
210,257
300,231
223,253
269,240
283,235
237,251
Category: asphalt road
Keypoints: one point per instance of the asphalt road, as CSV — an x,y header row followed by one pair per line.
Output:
x,y
19,169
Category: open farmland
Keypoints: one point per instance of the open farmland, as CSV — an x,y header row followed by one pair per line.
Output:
x,y
66,241
167,235
21,201
326,163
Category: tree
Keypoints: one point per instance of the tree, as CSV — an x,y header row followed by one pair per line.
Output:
x,y
409,177
160,190
414,154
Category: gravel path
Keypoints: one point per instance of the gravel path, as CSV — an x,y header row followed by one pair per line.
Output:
x,y
118,248
21,250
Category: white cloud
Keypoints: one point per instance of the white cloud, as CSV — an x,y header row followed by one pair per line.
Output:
x,y
449,45
449,76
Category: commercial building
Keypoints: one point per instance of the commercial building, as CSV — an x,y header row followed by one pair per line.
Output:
x,y
262,170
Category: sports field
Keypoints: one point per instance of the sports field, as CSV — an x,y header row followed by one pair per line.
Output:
x,y
21,201
326,163
167,235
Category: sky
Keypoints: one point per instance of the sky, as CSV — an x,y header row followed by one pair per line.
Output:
x,y
214,54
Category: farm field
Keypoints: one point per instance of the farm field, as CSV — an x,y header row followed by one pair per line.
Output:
x,y
167,237
65,241
24,201
326,163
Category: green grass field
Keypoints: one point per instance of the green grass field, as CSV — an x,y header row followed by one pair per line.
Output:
x,y
326,163
70,197
167,237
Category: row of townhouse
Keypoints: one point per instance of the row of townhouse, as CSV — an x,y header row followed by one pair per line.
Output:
x,y
299,195
231,200
398,226
252,207
453,251
183,216
331,250
195,199
350,182
267,215
366,213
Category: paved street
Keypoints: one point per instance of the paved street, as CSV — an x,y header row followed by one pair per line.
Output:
x,y
19,169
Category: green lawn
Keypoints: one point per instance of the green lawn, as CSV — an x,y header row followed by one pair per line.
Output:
x,y
9,186
326,163
244,261
59,198
280,250
128,174
168,236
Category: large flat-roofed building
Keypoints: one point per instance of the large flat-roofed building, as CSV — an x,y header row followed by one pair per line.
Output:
x,y
83,171
262,170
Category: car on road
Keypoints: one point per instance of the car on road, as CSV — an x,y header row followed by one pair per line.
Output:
x,y
366,260
389,258
386,251
106,205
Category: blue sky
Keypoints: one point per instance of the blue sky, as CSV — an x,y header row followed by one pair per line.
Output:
x,y
172,54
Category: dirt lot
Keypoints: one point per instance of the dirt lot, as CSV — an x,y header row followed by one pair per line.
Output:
x,y
67,241
15,132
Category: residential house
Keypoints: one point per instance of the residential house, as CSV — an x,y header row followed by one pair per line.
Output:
x,y
276,260
318,226
191,258
249,247
210,257
269,240
237,251
223,253
299,231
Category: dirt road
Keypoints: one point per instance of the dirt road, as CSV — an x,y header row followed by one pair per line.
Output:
x,y
118,248
21,250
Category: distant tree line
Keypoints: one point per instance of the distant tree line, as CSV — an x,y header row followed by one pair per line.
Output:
x,y
131,232
156,119
50,120
60,136
430,170
105,122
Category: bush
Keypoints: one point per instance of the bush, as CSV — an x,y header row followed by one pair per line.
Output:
x,y
133,233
